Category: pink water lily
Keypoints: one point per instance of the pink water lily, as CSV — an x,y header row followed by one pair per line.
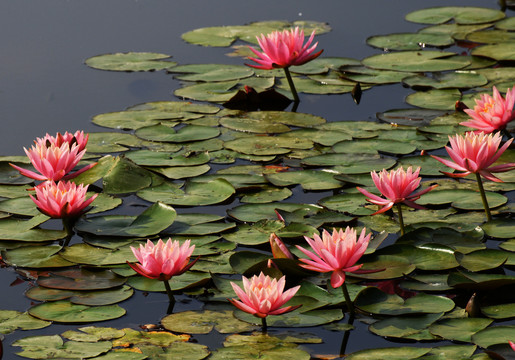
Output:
x,y
397,186
262,296
279,249
475,154
337,252
163,260
284,49
55,158
512,344
491,113
62,200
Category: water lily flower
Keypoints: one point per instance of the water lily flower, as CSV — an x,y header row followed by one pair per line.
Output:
x,y
512,344
262,296
163,260
63,200
54,158
78,138
491,113
284,49
475,154
337,252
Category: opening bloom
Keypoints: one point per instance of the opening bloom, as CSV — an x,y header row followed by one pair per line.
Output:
x,y
163,260
397,186
475,153
55,157
279,249
62,200
491,113
337,252
283,49
78,138
263,296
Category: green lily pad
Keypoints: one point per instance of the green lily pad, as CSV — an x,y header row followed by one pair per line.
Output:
x,y
91,298
194,322
295,318
499,311
491,36
267,145
348,203
184,134
375,301
409,41
410,117
182,172
459,329
156,158
482,259
194,193
152,221
53,347
125,176
266,194
257,233
36,257
132,61
11,320
308,179
256,212
435,99
494,335
374,146
346,164
92,255
462,80
415,61
504,51
389,266
403,327
457,31
462,199
66,312
460,14
221,91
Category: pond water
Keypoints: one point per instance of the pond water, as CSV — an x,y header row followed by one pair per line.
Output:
x,y
46,87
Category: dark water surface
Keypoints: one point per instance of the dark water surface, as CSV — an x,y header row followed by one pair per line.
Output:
x,y
45,86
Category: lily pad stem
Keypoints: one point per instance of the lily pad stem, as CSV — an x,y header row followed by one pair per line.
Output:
x,y
264,326
350,305
483,197
292,85
401,219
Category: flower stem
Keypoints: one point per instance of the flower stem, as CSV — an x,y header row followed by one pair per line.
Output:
x,y
483,197
401,219
350,305
345,339
264,327
169,292
292,85
68,224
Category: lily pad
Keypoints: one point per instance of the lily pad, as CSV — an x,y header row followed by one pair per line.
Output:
x,y
416,61
152,221
36,257
132,61
409,41
81,279
460,14
53,347
66,312
194,322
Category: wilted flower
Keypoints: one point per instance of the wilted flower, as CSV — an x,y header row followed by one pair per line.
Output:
x,y
162,261
62,200
284,49
55,157
397,186
338,253
263,296
491,113
475,153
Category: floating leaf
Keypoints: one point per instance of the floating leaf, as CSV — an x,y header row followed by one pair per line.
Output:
x,y
81,279
53,347
494,335
435,99
460,14
92,298
184,134
416,61
405,353
409,41
503,51
66,312
194,322
152,221
35,257
12,320
132,61
194,193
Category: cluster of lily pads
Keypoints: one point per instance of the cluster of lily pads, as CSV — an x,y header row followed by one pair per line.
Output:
x,y
448,278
